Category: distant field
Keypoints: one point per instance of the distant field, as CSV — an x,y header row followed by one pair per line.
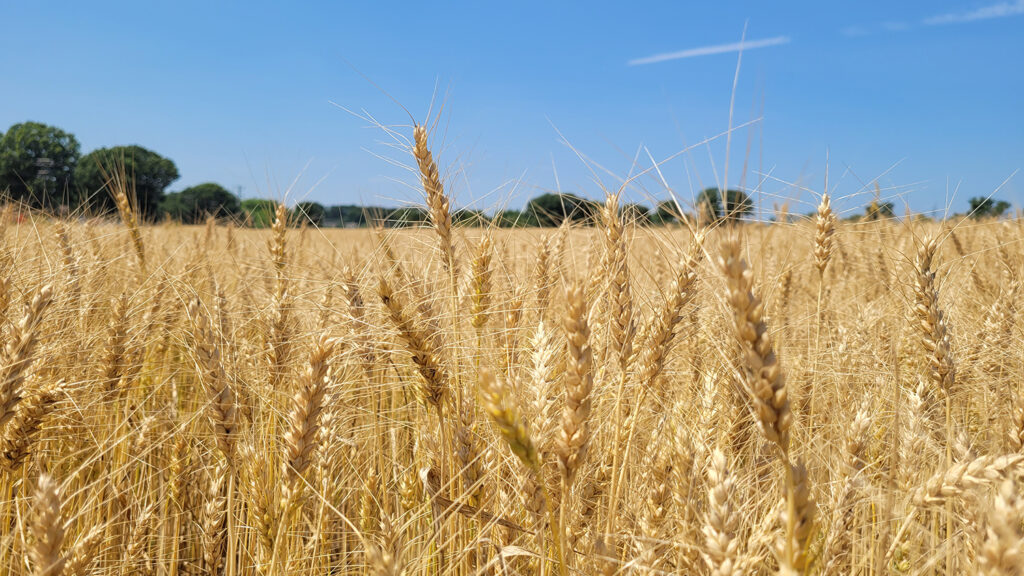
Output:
x,y
817,397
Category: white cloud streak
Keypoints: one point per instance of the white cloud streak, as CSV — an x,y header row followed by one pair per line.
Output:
x,y
1001,10
895,26
710,50
855,31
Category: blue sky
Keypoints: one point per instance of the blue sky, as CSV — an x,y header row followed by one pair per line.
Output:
x,y
923,96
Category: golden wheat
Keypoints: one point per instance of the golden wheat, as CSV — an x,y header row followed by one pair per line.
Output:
x,y
245,407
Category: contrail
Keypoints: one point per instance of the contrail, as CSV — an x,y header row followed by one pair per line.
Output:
x,y
1001,10
709,50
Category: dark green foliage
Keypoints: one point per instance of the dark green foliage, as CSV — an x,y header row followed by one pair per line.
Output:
x,y
408,216
665,213
37,164
192,205
636,213
150,172
469,217
347,215
355,216
310,212
735,206
513,219
877,210
553,209
982,207
259,212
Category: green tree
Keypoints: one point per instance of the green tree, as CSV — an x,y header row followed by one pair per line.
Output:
x,y
982,207
469,217
635,213
194,204
311,212
259,212
406,216
553,209
37,164
878,209
354,215
735,206
149,173
512,219
665,212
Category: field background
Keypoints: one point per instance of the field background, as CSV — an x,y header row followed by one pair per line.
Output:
x,y
200,400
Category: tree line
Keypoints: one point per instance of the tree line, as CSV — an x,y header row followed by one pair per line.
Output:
x,y
42,167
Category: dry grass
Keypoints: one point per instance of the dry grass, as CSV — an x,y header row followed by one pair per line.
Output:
x,y
809,398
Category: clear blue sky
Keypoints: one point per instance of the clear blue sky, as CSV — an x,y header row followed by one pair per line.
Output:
x,y
924,96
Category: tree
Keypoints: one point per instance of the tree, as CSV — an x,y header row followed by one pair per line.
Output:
x,y
665,212
512,219
259,213
878,209
553,209
348,215
194,204
635,213
737,204
148,172
407,216
468,217
312,212
982,207
37,164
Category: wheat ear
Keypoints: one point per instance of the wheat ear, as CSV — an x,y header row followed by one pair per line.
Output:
x,y
964,476
438,204
47,529
433,386
19,353
652,357
1002,552
21,432
481,283
222,408
579,383
764,377
824,243
622,325
496,399
931,321
721,520
304,421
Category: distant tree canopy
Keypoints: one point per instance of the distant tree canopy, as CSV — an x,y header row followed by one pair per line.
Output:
x,y
310,212
150,172
878,209
407,216
511,219
982,207
665,212
469,217
553,209
736,204
259,212
636,213
37,164
41,167
192,205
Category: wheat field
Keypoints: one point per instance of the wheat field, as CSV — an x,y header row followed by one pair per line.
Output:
x,y
810,397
